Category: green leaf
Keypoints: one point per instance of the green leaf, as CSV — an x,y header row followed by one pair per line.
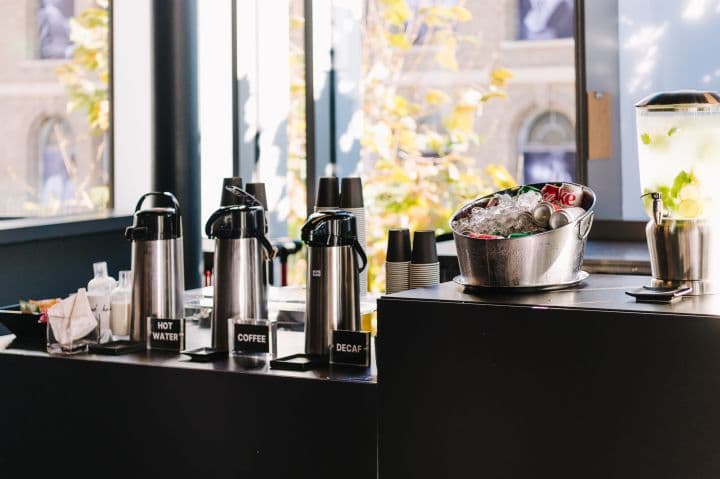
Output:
x,y
645,138
681,180
672,131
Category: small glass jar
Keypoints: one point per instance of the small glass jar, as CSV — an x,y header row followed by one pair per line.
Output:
x,y
252,337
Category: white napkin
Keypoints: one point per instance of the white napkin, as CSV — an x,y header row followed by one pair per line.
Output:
x,y
72,318
6,340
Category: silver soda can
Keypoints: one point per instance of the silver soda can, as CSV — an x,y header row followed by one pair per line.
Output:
x,y
542,212
565,216
570,195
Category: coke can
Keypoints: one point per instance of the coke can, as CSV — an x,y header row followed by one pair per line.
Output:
x,y
550,193
571,195
485,236
565,216
542,212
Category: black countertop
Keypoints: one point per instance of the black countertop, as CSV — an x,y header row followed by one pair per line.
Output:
x,y
289,342
603,292
158,414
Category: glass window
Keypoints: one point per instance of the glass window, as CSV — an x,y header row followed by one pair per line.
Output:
x,y
548,149
53,28
55,114
450,104
545,19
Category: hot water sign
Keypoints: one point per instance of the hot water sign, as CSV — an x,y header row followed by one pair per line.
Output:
x,y
168,334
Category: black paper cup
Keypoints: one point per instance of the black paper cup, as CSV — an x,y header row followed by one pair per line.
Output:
x,y
398,246
424,248
328,193
227,198
258,191
351,194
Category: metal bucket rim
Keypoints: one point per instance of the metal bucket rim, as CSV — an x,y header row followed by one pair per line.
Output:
x,y
538,186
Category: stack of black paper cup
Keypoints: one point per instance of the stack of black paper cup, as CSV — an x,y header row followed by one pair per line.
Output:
x,y
397,261
258,191
351,200
227,198
424,265
328,194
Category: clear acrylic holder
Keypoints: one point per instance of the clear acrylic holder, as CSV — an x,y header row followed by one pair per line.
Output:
x,y
74,346
252,337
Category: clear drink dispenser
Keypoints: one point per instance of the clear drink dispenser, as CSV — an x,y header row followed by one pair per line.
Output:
x,y
678,139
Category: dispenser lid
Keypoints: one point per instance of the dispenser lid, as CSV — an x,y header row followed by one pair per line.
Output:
x,y
330,228
236,221
680,100
157,222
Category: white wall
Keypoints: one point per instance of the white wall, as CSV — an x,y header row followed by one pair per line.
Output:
x,y
132,105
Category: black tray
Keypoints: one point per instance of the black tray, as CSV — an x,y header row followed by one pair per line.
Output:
x,y
29,331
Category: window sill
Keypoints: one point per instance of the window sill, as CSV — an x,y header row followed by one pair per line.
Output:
x,y
36,229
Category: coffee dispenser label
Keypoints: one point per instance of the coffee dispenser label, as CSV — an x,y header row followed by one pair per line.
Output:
x,y
251,338
350,348
168,334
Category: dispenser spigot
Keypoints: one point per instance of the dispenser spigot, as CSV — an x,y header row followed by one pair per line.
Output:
x,y
657,206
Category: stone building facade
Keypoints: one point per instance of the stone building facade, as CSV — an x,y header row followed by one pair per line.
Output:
x,y
40,140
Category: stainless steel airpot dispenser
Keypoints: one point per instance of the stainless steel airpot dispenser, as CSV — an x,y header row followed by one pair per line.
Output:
x,y
158,282
241,250
333,281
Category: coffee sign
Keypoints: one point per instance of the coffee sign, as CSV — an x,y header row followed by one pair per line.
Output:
x,y
251,338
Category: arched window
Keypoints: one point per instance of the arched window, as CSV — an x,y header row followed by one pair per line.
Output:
x,y
53,28
56,164
545,19
548,149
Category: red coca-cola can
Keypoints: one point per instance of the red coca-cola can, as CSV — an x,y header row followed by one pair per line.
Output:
x,y
541,213
485,236
550,193
571,195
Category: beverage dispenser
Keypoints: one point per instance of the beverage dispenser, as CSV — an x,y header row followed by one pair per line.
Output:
x,y
678,136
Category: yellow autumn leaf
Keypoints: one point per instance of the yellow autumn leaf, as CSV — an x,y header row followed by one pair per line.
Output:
x,y
399,106
461,14
499,77
500,176
435,143
462,118
446,58
436,97
433,16
398,40
494,94
406,140
396,12
296,22
297,88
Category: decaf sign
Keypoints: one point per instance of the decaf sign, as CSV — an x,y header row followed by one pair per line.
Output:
x,y
350,348
166,334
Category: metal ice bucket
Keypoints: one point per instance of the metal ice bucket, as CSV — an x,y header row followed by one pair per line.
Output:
x,y
544,259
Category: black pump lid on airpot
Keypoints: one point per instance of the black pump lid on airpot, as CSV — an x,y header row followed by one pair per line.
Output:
x,y
157,222
245,219
330,228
